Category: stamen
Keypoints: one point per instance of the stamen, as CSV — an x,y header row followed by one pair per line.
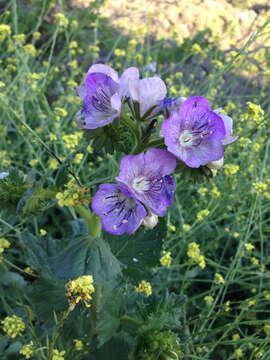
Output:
x,y
114,227
124,221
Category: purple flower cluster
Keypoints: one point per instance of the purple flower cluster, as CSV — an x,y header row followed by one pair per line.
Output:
x,y
105,92
193,133
144,187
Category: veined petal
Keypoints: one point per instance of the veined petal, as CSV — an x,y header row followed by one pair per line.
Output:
x,y
131,74
119,211
105,69
151,91
147,177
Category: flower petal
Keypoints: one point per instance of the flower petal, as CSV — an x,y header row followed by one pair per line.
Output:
x,y
105,69
131,74
119,211
151,91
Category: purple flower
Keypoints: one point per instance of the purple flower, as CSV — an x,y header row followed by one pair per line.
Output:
x,y
195,134
147,177
228,123
147,92
120,212
102,95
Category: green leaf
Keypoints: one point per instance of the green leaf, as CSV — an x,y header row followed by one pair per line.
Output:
x,y
48,296
115,349
84,256
140,252
62,175
37,256
197,175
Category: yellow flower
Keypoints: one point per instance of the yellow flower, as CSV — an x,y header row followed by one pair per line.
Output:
x,y
202,191
249,247
73,64
166,259
4,244
254,261
33,162
208,300
194,254
19,39
80,289
4,31
36,35
219,279
78,158
236,336
30,49
58,355
231,169
78,344
73,45
119,52
53,164
259,187
42,232
239,352
61,20
144,287
60,111
27,350
186,227
196,49
202,214
13,326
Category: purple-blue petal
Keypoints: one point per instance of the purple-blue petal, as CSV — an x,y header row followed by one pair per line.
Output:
x,y
194,133
101,101
147,176
120,212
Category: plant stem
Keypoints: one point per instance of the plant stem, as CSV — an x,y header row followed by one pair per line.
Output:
x,y
57,331
128,320
92,220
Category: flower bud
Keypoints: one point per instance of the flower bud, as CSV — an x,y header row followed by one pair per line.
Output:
x,y
215,165
150,221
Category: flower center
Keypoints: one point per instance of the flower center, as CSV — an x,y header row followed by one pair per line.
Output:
x,y
140,184
186,138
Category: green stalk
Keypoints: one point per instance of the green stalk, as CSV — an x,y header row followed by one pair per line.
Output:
x,y
92,220
128,320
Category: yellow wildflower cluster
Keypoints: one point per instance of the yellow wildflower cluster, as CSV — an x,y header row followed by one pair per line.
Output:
x,y
19,39
60,112
144,287
202,191
73,195
202,214
27,350
196,49
4,244
72,140
194,254
80,289
4,31
61,20
30,50
166,259
219,279
239,353
259,187
208,300
13,326
186,227
78,344
119,52
58,355
255,112
231,169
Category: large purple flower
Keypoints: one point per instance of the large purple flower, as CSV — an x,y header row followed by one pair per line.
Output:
x,y
147,177
102,95
120,212
195,134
